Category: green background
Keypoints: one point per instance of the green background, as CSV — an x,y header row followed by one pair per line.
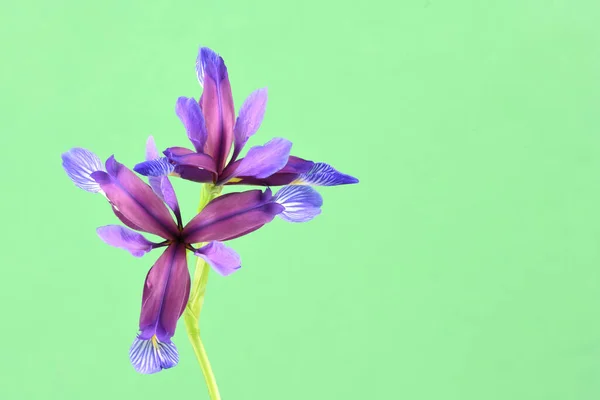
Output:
x,y
465,265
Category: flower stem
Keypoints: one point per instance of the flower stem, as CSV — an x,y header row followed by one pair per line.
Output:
x,y
194,306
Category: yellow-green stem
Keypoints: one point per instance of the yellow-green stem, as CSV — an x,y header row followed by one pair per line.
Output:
x,y
194,306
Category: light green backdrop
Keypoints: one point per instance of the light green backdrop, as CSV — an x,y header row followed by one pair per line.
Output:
x,y
464,266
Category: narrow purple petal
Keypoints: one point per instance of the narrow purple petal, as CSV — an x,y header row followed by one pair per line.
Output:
x,y
231,215
264,161
135,200
194,174
151,151
249,119
123,238
216,104
224,260
80,164
161,185
322,174
292,170
151,356
302,203
190,114
165,295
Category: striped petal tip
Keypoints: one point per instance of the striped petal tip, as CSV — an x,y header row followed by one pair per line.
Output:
x,y
322,174
151,356
157,167
302,203
80,164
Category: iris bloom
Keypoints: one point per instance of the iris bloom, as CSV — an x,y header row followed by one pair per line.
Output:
x,y
143,208
215,133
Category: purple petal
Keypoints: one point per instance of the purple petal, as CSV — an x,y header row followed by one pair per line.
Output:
x,y
302,203
322,174
161,184
80,164
121,237
232,215
224,260
151,356
264,161
165,295
292,170
216,104
249,119
190,114
135,200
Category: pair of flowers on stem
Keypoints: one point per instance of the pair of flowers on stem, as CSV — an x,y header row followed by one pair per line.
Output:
x,y
218,139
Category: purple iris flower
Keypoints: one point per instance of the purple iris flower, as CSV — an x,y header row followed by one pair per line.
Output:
x,y
215,133
144,208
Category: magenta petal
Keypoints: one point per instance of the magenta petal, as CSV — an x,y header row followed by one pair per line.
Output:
x,y
194,174
183,156
216,104
190,114
224,260
166,293
135,200
249,119
126,239
231,215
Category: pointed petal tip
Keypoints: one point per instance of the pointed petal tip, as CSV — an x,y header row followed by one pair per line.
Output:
x,y
211,63
152,356
80,164
323,174
151,151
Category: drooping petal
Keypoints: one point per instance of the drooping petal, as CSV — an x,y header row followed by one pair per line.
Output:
x,y
190,114
165,295
123,238
231,215
322,174
79,164
249,119
135,200
292,170
156,167
224,260
161,184
216,104
152,356
263,161
302,203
